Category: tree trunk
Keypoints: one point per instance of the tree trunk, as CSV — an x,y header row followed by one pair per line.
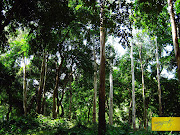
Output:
x,y
89,110
174,36
158,79
143,87
54,110
102,121
130,112
95,87
24,89
9,102
60,103
111,95
147,118
133,90
44,89
41,83
9,111
57,103
70,98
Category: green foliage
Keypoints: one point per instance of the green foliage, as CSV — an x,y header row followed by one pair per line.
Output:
x,y
177,6
149,11
18,125
122,129
41,125
80,129
153,17
70,29
170,96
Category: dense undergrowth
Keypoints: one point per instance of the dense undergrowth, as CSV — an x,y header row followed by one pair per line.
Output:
x,y
45,126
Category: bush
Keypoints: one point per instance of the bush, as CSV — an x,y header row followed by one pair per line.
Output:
x,y
18,125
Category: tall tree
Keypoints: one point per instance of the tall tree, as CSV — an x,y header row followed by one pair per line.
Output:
x,y
174,35
102,121
70,93
20,44
43,109
95,86
158,77
55,92
133,90
111,93
154,17
41,84
24,88
143,86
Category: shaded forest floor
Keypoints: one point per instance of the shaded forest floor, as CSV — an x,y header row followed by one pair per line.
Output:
x,y
45,126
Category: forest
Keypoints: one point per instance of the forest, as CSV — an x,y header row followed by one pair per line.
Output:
x,y
88,67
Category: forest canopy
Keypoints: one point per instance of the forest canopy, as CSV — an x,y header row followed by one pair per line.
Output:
x,y
62,70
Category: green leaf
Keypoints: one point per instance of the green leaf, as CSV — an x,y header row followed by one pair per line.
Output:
x,y
78,7
177,6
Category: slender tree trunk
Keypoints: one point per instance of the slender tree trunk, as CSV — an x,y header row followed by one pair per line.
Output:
x,y
54,110
143,87
174,35
10,102
130,112
57,103
89,110
54,104
70,98
133,90
44,88
9,111
178,32
60,103
45,108
147,118
24,89
95,87
107,105
41,83
111,95
102,121
158,79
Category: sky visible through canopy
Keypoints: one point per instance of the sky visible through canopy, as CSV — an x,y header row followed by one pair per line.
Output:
x,y
121,51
